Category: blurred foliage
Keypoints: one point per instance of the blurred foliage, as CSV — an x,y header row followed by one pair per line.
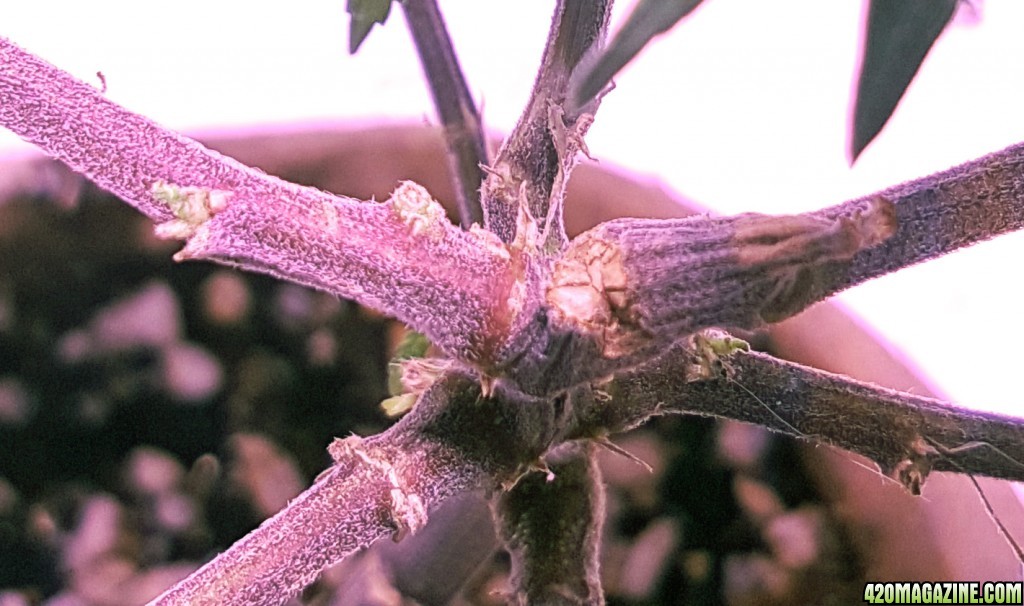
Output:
x,y
899,35
365,14
649,18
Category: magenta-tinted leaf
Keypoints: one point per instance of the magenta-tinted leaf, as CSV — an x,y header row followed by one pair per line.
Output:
x,y
899,35
365,14
648,19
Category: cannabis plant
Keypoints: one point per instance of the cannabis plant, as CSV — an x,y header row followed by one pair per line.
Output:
x,y
545,346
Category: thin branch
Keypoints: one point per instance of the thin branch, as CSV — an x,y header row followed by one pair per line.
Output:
x,y
551,526
907,435
453,441
467,147
533,165
403,258
648,19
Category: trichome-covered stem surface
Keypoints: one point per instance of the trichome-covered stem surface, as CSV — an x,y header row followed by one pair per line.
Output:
x,y
402,257
551,525
532,168
453,441
906,435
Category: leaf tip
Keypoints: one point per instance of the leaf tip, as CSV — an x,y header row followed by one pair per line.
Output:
x,y
364,15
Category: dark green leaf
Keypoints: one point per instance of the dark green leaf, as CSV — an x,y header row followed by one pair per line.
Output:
x,y
899,35
648,19
365,14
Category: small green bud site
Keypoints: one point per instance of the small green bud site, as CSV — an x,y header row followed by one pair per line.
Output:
x,y
192,206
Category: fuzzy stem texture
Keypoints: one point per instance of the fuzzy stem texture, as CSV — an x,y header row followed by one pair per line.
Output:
x,y
402,257
628,289
543,316
935,215
453,441
533,165
551,526
906,435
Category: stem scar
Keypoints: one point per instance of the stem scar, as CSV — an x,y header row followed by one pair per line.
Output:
x,y
408,512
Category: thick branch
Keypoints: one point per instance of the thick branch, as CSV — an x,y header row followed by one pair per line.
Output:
x,y
907,435
467,147
346,510
936,215
678,276
808,257
551,526
403,258
626,290
533,165
453,441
